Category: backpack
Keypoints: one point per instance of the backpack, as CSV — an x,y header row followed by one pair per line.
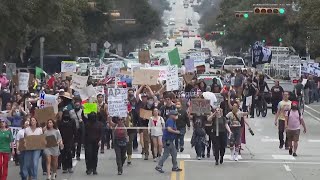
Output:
x,y
299,115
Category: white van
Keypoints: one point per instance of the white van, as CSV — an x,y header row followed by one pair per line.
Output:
x,y
232,62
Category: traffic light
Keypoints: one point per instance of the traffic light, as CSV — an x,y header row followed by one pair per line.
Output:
x,y
221,33
259,10
242,15
263,40
217,33
280,39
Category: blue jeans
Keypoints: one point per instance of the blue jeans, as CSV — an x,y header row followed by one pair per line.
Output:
x,y
30,164
21,160
179,141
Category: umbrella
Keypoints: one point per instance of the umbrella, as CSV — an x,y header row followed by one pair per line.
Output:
x,y
210,96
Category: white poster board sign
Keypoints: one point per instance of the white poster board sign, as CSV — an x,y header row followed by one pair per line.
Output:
x,y
99,90
49,101
23,81
199,58
68,66
117,102
78,82
83,67
172,78
98,72
87,92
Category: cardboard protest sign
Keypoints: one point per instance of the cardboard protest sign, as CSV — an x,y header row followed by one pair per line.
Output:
x,y
43,115
51,141
64,75
33,142
23,81
201,106
68,66
90,107
144,57
188,77
78,82
156,87
146,76
145,114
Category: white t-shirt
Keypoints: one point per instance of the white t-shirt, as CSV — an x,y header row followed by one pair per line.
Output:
x,y
156,125
20,134
29,132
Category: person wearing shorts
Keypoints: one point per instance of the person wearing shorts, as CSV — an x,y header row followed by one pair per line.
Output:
x,y
293,122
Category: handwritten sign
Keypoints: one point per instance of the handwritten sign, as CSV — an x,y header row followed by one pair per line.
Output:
x,y
90,107
78,82
87,92
43,115
48,100
200,106
114,68
68,66
98,72
117,102
83,67
145,114
189,65
144,57
172,78
199,58
99,90
23,81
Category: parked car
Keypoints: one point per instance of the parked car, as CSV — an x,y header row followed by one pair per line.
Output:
x,y
233,62
165,43
178,42
158,44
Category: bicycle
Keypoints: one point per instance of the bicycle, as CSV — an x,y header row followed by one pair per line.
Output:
x,y
262,107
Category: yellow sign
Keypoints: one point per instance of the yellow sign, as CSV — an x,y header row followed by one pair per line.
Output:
x,y
90,107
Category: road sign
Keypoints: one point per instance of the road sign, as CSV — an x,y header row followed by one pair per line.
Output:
x,y
107,44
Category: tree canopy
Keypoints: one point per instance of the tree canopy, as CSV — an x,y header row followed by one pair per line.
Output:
x,y
69,26
291,27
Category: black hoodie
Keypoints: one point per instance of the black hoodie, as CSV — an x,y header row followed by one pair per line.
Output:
x,y
93,129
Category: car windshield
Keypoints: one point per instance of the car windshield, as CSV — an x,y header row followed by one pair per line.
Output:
x,y
233,61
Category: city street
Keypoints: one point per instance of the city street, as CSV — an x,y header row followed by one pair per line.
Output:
x,y
261,158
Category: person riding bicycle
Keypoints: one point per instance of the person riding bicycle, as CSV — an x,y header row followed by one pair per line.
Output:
x,y
262,85
298,90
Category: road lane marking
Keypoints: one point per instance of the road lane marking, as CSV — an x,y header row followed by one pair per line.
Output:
x,y
316,118
287,167
173,176
228,156
181,177
312,109
260,162
269,140
283,157
314,140
179,156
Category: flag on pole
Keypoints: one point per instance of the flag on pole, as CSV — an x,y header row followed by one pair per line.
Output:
x,y
38,72
174,57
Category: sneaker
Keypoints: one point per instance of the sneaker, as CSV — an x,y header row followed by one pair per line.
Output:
x,y
70,170
146,157
236,158
119,173
54,176
44,173
280,146
232,158
154,159
203,156
159,170
64,171
95,172
176,169
221,160
181,149
199,158
102,151
217,163
294,154
128,163
89,172
290,151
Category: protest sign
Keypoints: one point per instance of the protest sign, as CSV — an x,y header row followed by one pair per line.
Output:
x,y
156,88
114,68
23,81
188,77
78,82
87,92
90,107
32,142
44,114
172,82
248,101
145,114
144,57
48,100
123,78
201,69
117,102
145,76
200,106
68,66
64,75
14,131
174,57
98,72
99,90
199,58
51,141
189,65
83,67
11,70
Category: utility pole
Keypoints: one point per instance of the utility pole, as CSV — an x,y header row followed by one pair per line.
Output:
x,y
42,39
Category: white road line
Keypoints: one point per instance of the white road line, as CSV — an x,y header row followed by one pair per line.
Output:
x,y
283,157
312,109
314,141
179,156
260,162
269,140
287,167
316,118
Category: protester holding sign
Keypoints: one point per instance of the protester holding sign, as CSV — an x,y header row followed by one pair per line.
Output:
x,y
102,117
6,140
31,157
19,136
52,153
